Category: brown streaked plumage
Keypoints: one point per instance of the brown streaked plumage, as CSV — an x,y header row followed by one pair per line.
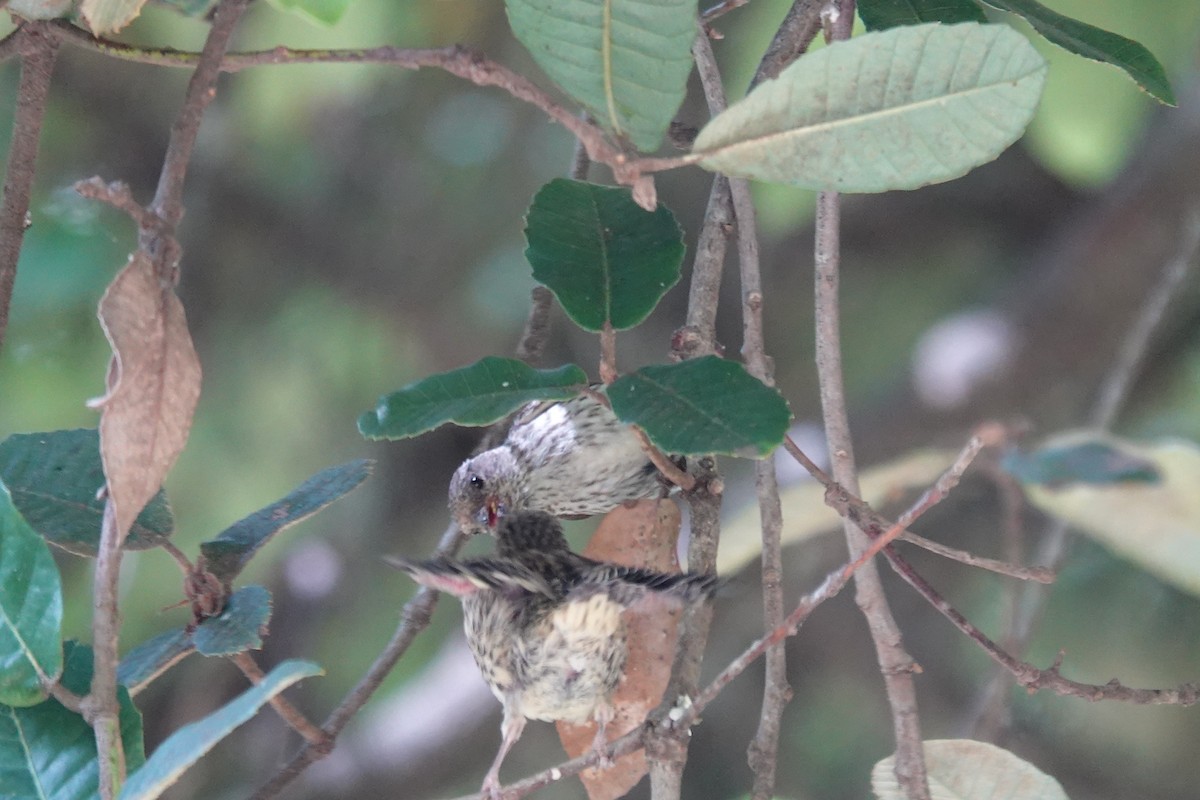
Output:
x,y
545,624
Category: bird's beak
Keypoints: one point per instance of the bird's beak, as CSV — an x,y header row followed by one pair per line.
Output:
x,y
492,508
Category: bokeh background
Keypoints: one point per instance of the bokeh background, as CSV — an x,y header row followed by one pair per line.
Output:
x,y
352,228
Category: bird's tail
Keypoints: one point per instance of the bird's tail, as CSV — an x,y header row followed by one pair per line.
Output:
x,y
463,578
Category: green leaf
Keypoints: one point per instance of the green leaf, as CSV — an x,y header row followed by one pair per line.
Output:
x,y
153,657
322,12
603,256
226,555
480,394
54,478
1087,461
1156,525
239,627
49,751
898,109
108,16
187,745
30,610
1095,43
40,9
703,405
962,769
192,8
879,15
626,61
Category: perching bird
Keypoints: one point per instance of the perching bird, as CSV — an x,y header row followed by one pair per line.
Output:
x,y
545,624
569,459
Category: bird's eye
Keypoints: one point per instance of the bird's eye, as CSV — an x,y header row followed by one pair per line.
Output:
x,y
476,482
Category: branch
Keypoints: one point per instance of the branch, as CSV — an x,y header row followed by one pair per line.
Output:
x,y
315,737
37,44
100,706
799,27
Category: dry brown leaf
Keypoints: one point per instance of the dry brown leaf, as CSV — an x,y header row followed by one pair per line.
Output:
x,y
153,384
642,535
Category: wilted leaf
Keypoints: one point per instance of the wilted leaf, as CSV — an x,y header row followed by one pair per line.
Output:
x,y
1095,43
188,745
806,515
30,610
239,627
961,769
897,109
153,386
879,15
54,478
642,535
49,751
483,393
226,555
153,657
1090,460
605,258
626,61
109,16
1155,525
702,405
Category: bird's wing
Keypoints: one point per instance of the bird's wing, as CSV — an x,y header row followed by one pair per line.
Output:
x,y
463,578
628,584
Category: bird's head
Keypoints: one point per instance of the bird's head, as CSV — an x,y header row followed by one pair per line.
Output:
x,y
484,489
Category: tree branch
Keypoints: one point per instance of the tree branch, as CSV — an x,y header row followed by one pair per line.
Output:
x,y
315,737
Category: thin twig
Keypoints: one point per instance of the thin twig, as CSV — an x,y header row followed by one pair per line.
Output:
x,y
178,555
665,465
38,45
799,27
288,712
100,707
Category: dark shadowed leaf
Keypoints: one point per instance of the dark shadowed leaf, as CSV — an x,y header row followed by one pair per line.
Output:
x,y
152,658
239,627
483,393
30,610
603,256
1095,43
962,769
188,745
49,751
1088,461
879,15
54,478
897,109
226,555
703,405
626,61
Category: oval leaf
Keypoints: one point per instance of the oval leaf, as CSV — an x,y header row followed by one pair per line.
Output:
x,y
1095,43
879,15
239,627
961,769
603,256
703,405
1155,525
188,744
49,751
228,554
626,61
54,478
483,393
153,657
30,610
893,110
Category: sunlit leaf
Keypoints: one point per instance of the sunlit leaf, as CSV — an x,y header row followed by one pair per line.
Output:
x,y
188,745
54,478
626,61
480,394
226,555
603,256
879,15
108,16
1095,43
962,769
703,405
897,109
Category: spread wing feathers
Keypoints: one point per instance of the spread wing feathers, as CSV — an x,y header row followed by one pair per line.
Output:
x,y
463,578
627,585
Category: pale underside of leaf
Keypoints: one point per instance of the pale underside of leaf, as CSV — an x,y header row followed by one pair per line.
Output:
x,y
962,769
108,16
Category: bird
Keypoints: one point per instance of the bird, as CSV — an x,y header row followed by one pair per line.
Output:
x,y
572,458
545,624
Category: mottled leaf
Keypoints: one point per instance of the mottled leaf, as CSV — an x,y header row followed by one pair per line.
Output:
x,y
153,385
188,745
897,109
962,769
603,256
30,610
239,627
480,394
626,61
226,555
1095,43
54,478
153,657
703,405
